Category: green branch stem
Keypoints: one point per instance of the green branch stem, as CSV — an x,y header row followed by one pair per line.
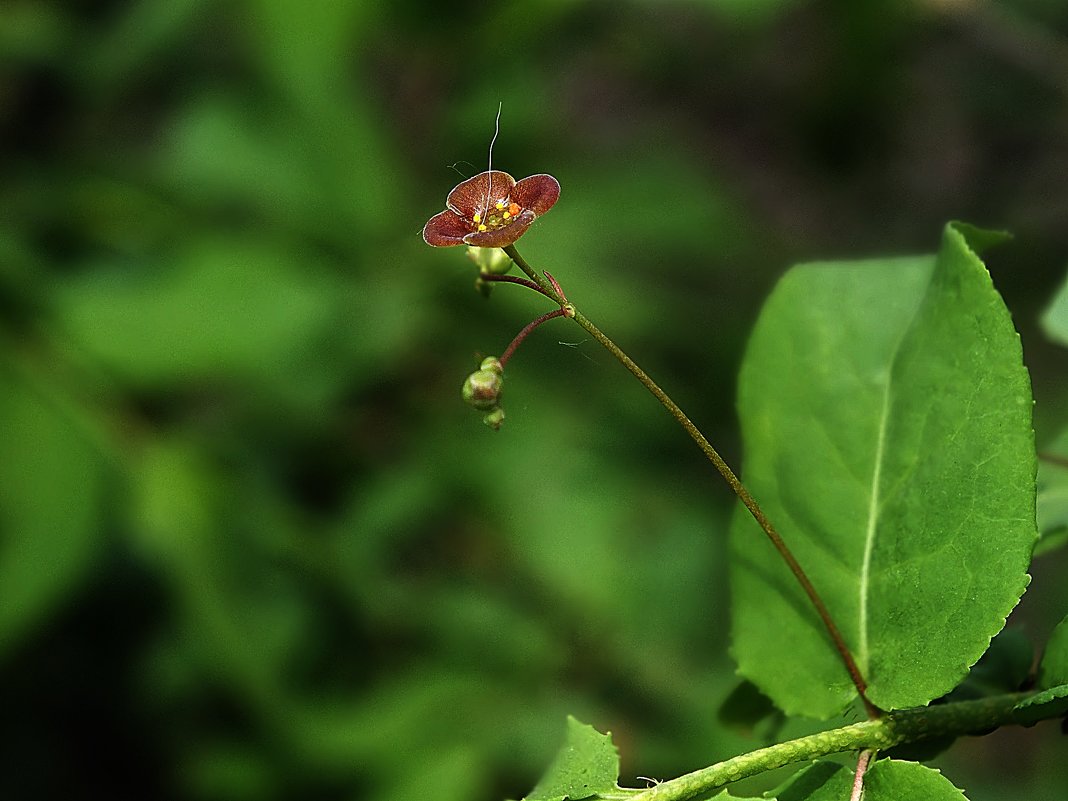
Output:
x,y
894,728
724,469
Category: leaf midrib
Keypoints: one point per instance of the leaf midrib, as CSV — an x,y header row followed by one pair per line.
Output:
x,y
872,525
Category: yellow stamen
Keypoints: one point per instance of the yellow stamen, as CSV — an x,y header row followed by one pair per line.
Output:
x,y
477,218
481,227
507,215
500,204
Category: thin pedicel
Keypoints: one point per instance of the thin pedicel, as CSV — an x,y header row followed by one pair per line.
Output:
x,y
509,212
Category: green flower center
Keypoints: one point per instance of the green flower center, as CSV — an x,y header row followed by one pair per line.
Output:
x,y
497,216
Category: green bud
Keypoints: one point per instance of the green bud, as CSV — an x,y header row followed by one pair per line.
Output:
x,y
482,389
494,419
492,363
493,261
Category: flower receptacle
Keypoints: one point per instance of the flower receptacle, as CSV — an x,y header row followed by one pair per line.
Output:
x,y
490,261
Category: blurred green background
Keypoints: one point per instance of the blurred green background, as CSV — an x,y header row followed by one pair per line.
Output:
x,y
253,546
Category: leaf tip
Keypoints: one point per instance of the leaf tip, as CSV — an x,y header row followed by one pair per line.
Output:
x,y
975,238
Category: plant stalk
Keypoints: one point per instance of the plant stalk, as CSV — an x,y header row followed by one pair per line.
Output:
x,y
894,728
858,777
724,470
515,343
511,279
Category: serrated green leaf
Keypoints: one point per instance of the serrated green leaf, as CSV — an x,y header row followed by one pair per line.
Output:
x,y
1055,318
886,780
1054,668
1049,703
886,413
587,764
1004,668
820,781
894,780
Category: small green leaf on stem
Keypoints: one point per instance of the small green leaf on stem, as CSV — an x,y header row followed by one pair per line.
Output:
x,y
820,781
586,765
1050,703
893,780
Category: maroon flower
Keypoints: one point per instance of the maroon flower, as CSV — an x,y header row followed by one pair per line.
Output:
x,y
491,210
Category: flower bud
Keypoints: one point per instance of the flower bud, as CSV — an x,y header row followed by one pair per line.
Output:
x,y
494,419
482,389
492,261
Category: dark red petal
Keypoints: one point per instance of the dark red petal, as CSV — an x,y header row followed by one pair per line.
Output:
x,y
445,229
505,235
476,194
538,193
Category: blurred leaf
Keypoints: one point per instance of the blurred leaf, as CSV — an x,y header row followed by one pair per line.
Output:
x,y
1052,500
305,47
1004,668
221,155
646,217
18,288
1055,318
1052,541
343,185
748,709
894,780
222,309
238,614
587,764
750,11
136,41
1053,670
446,774
52,485
32,31
399,728
229,770
887,421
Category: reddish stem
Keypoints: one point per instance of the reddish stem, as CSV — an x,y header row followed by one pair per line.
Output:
x,y
526,332
552,290
858,779
513,279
